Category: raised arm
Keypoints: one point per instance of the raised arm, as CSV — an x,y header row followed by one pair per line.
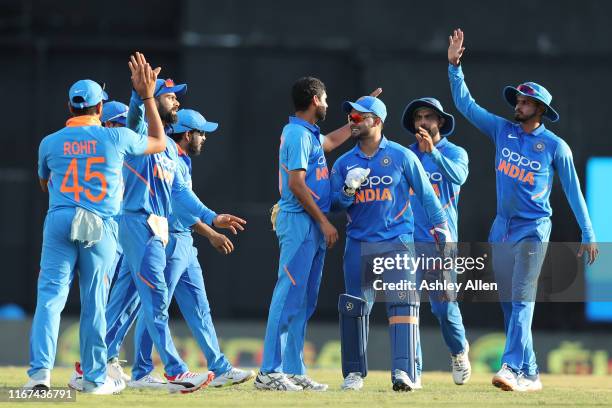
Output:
x,y
143,81
564,164
485,121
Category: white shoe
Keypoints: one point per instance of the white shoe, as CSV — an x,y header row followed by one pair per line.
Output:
x,y
188,382
418,385
114,370
353,382
306,383
109,387
275,382
529,383
506,379
233,376
148,381
39,381
402,382
462,369
76,380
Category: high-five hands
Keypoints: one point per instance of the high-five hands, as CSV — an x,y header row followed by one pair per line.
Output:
x,y
143,76
455,47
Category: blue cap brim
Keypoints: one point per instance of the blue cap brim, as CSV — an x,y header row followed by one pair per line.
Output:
x,y
510,93
408,117
210,127
348,106
177,90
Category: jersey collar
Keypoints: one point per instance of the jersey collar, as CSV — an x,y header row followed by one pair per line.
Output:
x,y
298,121
383,144
83,120
536,132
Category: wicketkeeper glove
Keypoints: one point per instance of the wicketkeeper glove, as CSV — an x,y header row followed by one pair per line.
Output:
x,y
354,178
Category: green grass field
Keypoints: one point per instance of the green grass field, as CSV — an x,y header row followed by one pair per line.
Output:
x,y
439,390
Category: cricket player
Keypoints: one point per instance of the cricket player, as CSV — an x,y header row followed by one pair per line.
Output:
x,y
80,167
304,233
372,182
183,273
150,184
446,165
526,158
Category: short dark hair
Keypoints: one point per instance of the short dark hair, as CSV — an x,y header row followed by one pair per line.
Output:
x,y
304,90
90,110
177,136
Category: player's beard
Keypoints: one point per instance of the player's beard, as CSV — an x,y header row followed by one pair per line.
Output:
x,y
195,146
320,113
520,118
168,116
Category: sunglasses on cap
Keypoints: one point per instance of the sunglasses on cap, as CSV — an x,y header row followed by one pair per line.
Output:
x,y
358,117
526,89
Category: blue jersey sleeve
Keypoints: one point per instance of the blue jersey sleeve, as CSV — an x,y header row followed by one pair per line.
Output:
x,y
130,142
298,145
453,165
185,201
43,168
564,164
340,201
136,115
418,180
485,121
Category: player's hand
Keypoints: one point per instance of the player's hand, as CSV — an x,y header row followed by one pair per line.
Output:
x,y
355,177
376,92
230,222
221,243
424,140
591,249
143,76
455,47
444,243
329,232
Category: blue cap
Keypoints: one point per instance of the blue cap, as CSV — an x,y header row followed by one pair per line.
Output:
x,y
534,91
86,93
431,103
164,86
188,119
114,111
367,104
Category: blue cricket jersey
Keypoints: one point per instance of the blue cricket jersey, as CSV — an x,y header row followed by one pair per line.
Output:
x,y
447,169
524,163
180,221
301,148
152,181
381,209
83,164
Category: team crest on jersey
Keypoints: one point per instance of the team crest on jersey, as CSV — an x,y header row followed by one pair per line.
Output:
x,y
349,306
385,161
539,147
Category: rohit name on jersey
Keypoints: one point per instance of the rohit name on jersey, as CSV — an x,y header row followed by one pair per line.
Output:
x,y
517,166
375,188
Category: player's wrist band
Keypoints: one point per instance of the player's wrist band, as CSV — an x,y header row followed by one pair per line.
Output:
x,y
150,97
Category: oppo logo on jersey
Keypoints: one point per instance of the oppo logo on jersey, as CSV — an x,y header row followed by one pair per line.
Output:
x,y
164,168
374,188
523,161
322,172
434,177
510,166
